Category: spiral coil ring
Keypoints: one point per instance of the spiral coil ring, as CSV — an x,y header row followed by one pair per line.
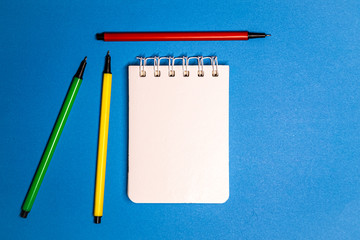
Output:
x,y
185,63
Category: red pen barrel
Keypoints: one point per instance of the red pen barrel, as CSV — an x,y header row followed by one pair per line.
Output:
x,y
175,36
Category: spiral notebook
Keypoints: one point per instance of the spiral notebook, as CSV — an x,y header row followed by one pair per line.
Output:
x,y
178,131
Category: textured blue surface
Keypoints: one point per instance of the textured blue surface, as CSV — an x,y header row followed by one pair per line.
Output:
x,y
294,118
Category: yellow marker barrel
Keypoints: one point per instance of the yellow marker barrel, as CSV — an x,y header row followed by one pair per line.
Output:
x,y
102,144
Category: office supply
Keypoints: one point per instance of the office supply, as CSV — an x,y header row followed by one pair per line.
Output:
x,y
178,131
178,36
53,140
103,139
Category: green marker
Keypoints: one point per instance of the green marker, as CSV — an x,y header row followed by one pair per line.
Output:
x,y
53,140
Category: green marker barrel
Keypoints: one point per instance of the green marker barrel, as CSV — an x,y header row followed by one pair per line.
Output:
x,y
53,140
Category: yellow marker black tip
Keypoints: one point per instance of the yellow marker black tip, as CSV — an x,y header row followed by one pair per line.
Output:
x,y
97,220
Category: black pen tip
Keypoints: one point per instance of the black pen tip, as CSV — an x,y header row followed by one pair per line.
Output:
x,y
99,36
97,220
257,35
81,69
24,214
107,68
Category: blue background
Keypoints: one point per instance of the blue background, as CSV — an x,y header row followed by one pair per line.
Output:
x,y
294,118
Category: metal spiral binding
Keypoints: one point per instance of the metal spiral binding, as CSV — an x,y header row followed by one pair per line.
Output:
x,y
214,64
185,64
142,71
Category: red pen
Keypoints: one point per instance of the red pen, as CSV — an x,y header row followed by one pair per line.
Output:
x,y
178,36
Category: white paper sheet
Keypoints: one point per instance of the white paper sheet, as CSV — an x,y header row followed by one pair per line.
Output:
x,y
178,136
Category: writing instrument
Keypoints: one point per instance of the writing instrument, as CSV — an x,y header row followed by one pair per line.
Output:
x,y
103,139
53,140
178,36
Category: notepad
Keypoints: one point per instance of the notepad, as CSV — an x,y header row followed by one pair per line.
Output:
x,y
178,133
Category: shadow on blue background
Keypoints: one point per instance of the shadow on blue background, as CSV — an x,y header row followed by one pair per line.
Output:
x,y
294,118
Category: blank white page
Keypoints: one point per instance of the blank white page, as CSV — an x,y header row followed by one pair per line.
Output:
x,y
178,136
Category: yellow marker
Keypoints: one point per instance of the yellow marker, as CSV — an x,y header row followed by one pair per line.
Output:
x,y
103,138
